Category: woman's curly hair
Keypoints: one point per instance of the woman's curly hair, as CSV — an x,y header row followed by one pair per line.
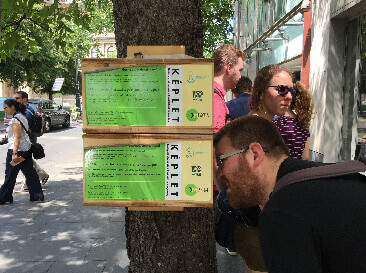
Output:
x,y
261,82
303,105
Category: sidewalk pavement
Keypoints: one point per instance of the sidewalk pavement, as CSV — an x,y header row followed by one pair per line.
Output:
x,y
60,235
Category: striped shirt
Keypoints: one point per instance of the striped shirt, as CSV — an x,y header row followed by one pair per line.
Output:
x,y
293,134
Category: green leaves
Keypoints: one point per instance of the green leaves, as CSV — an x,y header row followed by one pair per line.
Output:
x,y
39,42
19,18
217,18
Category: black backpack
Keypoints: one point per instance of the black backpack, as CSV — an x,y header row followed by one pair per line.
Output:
x,y
37,124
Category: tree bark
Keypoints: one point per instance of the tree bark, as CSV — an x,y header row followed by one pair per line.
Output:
x,y
165,241
158,22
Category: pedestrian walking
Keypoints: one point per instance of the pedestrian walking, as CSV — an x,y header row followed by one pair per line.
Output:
x,y
22,97
19,156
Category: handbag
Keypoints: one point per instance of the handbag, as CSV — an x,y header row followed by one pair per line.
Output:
x,y
36,148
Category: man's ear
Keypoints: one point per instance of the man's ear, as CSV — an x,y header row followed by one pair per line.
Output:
x,y
228,68
258,153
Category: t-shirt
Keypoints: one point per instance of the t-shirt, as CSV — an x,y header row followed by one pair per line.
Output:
x,y
293,134
28,115
221,111
316,225
24,144
239,106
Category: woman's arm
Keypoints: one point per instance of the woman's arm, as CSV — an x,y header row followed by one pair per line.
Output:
x,y
17,135
305,153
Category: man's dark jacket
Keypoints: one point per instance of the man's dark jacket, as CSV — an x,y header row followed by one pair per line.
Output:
x,y
316,225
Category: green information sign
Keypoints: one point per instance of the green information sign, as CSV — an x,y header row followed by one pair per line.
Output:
x,y
125,172
128,96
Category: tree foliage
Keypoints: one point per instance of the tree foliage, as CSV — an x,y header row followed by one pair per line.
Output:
x,y
217,17
39,42
19,19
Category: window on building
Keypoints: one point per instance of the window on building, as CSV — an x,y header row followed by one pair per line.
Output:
x,y
112,52
96,52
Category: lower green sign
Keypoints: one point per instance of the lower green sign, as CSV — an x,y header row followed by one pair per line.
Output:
x,y
125,172
178,170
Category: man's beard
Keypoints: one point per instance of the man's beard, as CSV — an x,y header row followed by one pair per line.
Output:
x,y
246,190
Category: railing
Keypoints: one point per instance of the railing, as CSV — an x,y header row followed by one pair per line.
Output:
x,y
255,17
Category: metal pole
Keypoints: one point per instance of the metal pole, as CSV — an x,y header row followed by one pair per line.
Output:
x,y
77,84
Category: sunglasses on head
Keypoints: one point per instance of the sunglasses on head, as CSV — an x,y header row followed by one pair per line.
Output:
x,y
283,90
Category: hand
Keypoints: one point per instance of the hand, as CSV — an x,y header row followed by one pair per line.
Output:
x,y
15,158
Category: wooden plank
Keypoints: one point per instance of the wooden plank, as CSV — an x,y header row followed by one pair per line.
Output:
x,y
147,170
156,208
155,50
146,130
88,64
163,206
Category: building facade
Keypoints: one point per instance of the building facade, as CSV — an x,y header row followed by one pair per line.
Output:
x,y
334,57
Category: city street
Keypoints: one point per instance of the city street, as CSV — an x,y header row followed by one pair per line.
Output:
x,y
60,235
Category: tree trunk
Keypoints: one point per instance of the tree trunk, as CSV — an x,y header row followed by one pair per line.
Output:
x,y
165,241
158,22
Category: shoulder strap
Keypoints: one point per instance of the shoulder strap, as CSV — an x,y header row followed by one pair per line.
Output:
x,y
331,170
228,116
29,134
30,111
218,93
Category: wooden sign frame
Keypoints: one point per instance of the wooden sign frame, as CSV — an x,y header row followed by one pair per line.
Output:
x,y
110,140
89,65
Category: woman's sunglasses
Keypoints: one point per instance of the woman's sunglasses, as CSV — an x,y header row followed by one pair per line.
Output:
x,y
283,90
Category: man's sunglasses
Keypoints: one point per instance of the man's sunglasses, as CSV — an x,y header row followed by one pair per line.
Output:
x,y
220,158
283,90
17,98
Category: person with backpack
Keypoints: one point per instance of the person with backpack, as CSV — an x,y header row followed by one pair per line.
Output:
x,y
228,64
30,114
19,156
312,214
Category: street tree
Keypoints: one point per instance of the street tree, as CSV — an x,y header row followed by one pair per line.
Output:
x,y
165,241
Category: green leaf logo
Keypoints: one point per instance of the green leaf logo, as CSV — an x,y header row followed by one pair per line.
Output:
x,y
191,77
191,189
192,115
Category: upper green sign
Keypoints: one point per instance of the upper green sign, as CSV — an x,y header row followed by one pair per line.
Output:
x,y
126,96
164,95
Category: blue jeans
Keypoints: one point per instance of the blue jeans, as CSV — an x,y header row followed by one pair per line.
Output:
x,y
11,173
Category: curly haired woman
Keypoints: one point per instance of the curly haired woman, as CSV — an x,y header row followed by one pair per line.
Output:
x,y
294,125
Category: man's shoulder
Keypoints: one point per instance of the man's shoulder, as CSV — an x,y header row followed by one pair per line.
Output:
x,y
30,108
290,165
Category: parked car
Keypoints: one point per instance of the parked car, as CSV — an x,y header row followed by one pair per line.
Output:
x,y
52,113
